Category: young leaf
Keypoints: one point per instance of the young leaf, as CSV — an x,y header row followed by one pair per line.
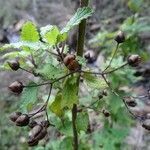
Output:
x,y
94,82
82,13
29,97
69,93
82,121
29,32
55,107
50,34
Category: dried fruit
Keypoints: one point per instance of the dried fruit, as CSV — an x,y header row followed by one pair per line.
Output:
x,y
32,123
120,37
35,131
16,87
69,58
45,123
106,113
13,116
146,124
22,120
32,143
42,134
14,65
90,56
71,63
134,60
130,101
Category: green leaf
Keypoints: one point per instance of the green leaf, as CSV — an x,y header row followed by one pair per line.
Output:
x,y
31,45
55,107
94,82
66,144
82,13
28,97
69,93
62,37
29,32
135,5
48,71
50,34
82,121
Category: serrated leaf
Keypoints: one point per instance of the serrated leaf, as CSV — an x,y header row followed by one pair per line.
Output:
x,y
28,97
69,93
94,81
82,121
29,32
50,34
31,45
55,107
48,71
82,13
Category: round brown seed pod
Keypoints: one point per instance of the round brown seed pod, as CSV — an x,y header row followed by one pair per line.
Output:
x,y
68,59
73,65
14,65
120,37
22,120
146,124
134,60
13,116
16,87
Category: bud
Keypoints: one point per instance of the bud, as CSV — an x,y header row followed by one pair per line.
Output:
x,y
13,116
106,113
22,120
14,65
134,60
16,87
120,37
130,101
146,124
32,124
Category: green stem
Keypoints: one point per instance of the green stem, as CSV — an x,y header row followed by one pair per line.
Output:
x,y
80,47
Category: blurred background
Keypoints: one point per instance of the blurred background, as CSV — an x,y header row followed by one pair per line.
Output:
x,y
131,16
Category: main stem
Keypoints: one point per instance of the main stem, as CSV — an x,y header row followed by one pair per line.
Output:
x,y
80,47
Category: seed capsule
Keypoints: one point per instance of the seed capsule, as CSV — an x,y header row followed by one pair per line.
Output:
x,y
106,113
120,37
32,143
16,87
130,101
22,120
42,134
146,124
45,124
35,131
13,116
14,65
68,59
134,60
32,124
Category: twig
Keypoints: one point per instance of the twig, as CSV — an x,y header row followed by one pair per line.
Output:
x,y
133,115
112,57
